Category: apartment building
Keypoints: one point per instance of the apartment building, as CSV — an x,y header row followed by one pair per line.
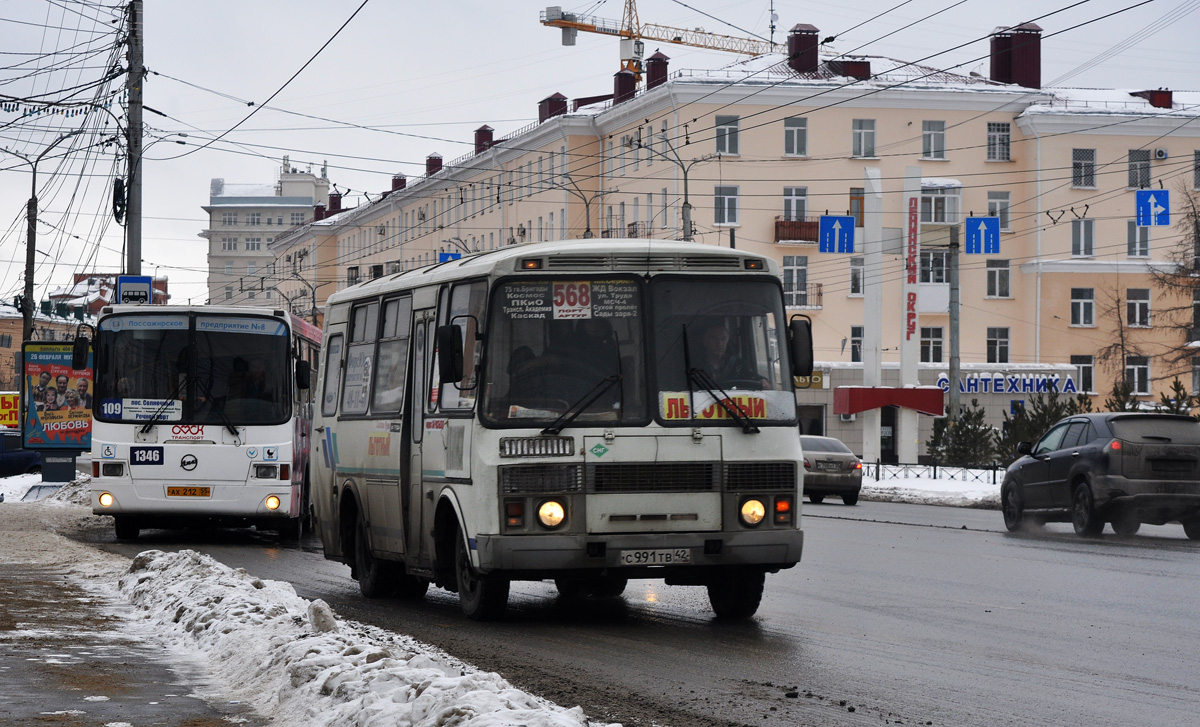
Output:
x,y
753,154
243,220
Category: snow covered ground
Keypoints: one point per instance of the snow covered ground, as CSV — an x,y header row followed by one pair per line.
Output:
x,y
297,660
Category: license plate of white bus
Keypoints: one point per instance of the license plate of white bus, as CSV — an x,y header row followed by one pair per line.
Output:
x,y
664,556
188,492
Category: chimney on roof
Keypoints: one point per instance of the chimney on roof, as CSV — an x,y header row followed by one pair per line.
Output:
x,y
1017,55
656,70
483,138
433,164
335,203
860,70
552,106
624,86
318,212
1159,99
399,182
802,48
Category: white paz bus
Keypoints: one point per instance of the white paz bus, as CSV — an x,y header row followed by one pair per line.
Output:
x,y
559,411
201,417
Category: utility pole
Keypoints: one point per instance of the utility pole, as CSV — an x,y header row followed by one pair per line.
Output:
x,y
685,167
952,415
137,75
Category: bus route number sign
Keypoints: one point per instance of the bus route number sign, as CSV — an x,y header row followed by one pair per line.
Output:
x,y
572,299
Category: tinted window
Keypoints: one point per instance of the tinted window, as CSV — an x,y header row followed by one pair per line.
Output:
x,y
1157,429
1051,440
822,444
1074,434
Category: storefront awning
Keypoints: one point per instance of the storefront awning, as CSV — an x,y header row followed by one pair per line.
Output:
x,y
853,399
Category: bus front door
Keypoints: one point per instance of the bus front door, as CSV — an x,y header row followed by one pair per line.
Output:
x,y
419,510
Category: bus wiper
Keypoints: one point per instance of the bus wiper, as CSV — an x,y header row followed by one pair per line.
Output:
x,y
221,411
701,378
582,404
163,407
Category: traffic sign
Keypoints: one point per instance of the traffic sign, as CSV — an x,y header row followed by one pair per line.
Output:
x,y
836,234
983,235
134,289
1153,207
445,257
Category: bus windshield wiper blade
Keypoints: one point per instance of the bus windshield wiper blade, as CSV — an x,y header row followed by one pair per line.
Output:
x,y
581,406
702,379
163,407
221,411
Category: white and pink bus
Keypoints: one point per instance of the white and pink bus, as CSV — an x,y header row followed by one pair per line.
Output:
x,y
202,417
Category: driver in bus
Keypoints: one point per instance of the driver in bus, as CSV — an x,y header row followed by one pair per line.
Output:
x,y
720,362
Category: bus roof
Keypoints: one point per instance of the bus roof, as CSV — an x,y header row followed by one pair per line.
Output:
x,y
612,255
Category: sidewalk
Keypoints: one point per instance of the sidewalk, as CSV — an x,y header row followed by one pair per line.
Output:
x,y
71,652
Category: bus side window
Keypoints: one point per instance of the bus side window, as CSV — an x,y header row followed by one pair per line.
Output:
x,y
333,369
391,364
360,357
466,310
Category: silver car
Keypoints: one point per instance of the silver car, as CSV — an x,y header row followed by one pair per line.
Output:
x,y
830,468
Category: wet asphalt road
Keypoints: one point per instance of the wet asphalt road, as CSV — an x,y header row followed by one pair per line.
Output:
x,y
898,614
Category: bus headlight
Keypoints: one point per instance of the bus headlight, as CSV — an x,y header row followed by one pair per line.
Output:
x,y
551,513
106,499
752,512
272,502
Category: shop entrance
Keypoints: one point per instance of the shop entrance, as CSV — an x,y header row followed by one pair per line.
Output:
x,y
887,435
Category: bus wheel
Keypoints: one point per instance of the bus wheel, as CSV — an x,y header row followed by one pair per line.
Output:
x,y
290,530
736,594
411,587
127,528
481,600
376,578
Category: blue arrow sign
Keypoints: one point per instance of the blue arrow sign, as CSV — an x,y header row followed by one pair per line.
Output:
x,y
445,257
1153,207
983,235
836,234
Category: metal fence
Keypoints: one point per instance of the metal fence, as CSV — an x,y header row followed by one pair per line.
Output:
x,y
883,472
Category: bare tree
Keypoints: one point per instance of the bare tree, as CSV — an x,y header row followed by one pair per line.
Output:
x,y
1179,306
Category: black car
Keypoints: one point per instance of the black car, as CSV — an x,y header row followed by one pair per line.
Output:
x,y
15,460
1120,468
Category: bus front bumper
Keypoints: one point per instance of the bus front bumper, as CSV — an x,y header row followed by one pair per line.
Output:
x,y
224,499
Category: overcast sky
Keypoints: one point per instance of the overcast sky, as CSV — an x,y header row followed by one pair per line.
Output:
x,y
405,79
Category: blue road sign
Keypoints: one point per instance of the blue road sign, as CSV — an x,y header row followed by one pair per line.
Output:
x,y
1153,207
445,257
836,234
135,289
983,235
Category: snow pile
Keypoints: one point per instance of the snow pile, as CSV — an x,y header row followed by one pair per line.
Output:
x,y
296,661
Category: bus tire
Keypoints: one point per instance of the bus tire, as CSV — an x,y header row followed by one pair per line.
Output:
x,y
481,599
736,593
376,578
411,588
291,529
127,528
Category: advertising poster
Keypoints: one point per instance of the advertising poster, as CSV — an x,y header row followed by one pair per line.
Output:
x,y
57,399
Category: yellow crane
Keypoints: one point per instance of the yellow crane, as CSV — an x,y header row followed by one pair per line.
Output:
x,y
633,34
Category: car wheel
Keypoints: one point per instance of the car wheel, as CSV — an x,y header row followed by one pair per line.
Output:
x,y
736,594
481,599
1192,528
127,528
816,499
376,578
411,588
850,498
1012,506
1126,524
1083,512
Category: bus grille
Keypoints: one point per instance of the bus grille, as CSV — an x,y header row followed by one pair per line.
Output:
x,y
769,476
529,478
654,477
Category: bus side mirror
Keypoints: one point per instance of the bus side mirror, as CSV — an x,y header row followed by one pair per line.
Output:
x,y
79,352
450,353
303,374
801,342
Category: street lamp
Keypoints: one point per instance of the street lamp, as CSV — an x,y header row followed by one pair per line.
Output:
x,y
31,235
586,199
685,167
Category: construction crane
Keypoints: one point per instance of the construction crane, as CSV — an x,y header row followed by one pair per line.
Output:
x,y
633,34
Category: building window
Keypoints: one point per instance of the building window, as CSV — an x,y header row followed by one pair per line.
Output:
x,y
998,273
998,206
1139,240
795,137
297,218
253,218
250,294
251,268
253,244
857,196
933,139
999,141
931,345
795,203
6,341
228,218
864,137
228,292
1083,168
856,341
940,204
352,275
229,244
1137,307
727,135
997,345
1083,238
795,280
1086,365
933,266
856,276
228,267
1137,374
725,205
1139,168
1083,307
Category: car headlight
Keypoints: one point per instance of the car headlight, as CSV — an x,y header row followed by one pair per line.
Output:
x,y
551,513
752,512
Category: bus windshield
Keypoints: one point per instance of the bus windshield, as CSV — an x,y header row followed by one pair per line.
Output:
x,y
558,345
719,345
230,370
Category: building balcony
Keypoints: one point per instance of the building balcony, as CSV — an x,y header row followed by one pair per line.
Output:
x,y
808,296
800,229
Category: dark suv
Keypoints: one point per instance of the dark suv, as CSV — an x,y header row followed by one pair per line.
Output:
x,y
14,459
1121,468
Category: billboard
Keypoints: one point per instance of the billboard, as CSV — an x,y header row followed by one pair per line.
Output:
x,y
57,399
